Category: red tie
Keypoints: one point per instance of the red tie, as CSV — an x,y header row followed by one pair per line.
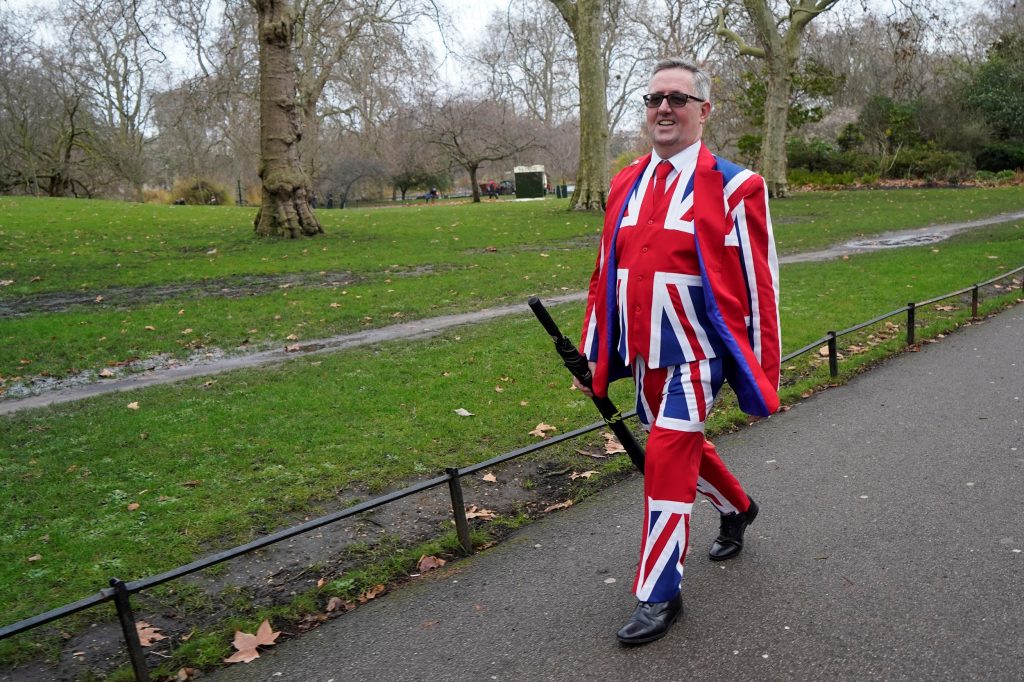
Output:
x,y
661,172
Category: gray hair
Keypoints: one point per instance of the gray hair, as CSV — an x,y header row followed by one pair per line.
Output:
x,y
701,80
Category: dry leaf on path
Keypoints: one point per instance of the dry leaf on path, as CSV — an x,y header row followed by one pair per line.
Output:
x,y
542,429
429,563
585,474
490,478
560,505
106,373
148,633
246,644
186,674
462,412
133,406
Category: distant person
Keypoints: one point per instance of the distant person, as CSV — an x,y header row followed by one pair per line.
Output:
x,y
684,297
492,189
330,200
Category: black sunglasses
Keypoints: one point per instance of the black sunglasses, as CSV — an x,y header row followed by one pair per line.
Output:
x,y
676,100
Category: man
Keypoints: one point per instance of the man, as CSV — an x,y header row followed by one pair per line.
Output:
x,y
684,297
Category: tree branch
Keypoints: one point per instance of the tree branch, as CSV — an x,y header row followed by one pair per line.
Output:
x,y
736,38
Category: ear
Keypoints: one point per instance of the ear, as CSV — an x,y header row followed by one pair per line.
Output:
x,y
705,111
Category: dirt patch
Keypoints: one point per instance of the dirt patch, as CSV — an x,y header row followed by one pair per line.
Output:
x,y
123,298
275,575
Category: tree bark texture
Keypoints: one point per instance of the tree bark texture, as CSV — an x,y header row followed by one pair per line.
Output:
x,y
285,210
584,18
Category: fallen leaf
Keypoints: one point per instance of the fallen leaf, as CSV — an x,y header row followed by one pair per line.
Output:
x,y
133,506
429,563
474,513
105,373
133,406
612,445
542,429
295,347
35,557
246,644
807,394
499,389
292,337
371,593
945,308
98,299
490,478
337,604
463,412
584,474
150,328
186,674
148,633
185,331
335,305
823,351
211,252
191,484
560,505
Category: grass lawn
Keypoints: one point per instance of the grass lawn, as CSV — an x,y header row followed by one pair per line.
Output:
x,y
211,462
105,283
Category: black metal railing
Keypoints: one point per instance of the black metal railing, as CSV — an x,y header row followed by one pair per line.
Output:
x,y
120,591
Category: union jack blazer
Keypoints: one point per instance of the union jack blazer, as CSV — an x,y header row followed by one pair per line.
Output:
x,y
723,305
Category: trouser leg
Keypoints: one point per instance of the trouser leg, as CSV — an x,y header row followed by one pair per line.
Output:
x,y
673,403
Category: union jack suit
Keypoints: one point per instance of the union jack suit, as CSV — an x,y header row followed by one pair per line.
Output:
x,y
684,297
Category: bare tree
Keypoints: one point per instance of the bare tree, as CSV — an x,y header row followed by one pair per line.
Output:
x,y
778,44
348,55
474,132
285,210
111,48
526,56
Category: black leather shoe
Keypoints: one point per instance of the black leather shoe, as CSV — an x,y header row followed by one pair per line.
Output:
x,y
650,621
729,542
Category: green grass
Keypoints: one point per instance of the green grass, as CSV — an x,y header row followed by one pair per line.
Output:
x,y
213,462
372,268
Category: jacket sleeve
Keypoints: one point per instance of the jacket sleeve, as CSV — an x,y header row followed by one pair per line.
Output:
x,y
589,340
759,261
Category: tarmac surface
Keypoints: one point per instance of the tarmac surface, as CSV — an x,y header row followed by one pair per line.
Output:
x,y
888,547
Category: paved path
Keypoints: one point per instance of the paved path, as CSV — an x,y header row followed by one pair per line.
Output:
x,y
888,548
431,326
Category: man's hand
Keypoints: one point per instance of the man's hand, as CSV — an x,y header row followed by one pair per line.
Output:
x,y
579,385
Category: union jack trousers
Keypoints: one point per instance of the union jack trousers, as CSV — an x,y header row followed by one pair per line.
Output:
x,y
672,404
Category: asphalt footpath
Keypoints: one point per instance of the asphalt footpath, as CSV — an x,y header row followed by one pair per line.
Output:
x,y
888,547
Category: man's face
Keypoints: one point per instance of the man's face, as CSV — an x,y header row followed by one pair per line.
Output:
x,y
673,130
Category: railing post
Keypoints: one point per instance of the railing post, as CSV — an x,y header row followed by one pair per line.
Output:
x,y
122,601
833,355
459,509
911,308
974,302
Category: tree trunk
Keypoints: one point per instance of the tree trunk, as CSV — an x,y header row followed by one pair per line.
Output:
x,y
773,143
472,182
584,20
284,211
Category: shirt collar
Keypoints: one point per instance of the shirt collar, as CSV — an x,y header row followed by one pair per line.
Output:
x,y
680,161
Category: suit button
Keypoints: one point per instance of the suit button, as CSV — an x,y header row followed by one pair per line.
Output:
x,y
639,278
636,309
650,222
644,250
